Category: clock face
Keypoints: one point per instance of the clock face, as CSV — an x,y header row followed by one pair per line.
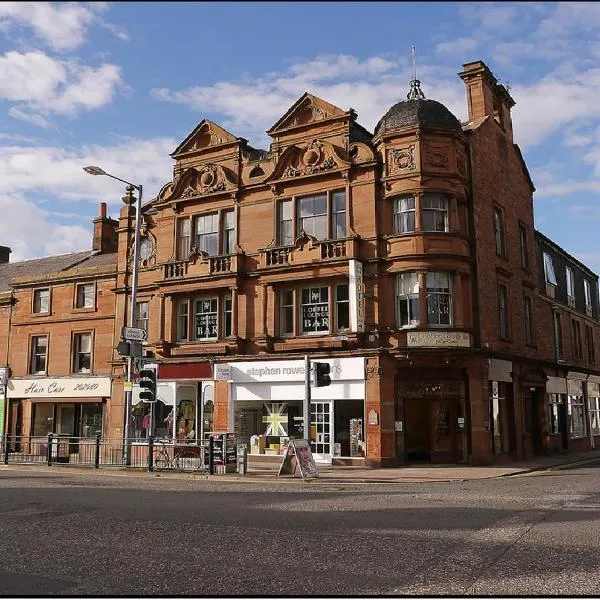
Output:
x,y
145,249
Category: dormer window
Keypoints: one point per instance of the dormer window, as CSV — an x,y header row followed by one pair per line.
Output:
x,y
549,269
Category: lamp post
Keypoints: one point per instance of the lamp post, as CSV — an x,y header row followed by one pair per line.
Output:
x,y
129,200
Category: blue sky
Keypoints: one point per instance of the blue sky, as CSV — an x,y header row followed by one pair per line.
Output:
x,y
121,84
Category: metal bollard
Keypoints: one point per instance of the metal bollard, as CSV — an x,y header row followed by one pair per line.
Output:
x,y
49,450
242,460
6,444
211,456
151,453
97,452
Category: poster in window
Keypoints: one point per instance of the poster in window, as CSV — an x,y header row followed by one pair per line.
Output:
x,y
315,317
206,325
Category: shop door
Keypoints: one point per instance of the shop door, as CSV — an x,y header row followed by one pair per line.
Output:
x,y
416,429
446,436
321,434
15,424
65,419
530,422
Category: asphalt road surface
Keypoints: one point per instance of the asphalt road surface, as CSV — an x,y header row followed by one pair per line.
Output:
x,y
100,534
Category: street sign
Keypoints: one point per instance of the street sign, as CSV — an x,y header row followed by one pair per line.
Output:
x,y
140,362
134,334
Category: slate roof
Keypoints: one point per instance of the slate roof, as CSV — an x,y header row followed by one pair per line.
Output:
x,y
418,111
52,264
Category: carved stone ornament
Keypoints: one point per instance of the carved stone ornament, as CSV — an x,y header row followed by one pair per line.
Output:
x,y
437,156
308,114
403,159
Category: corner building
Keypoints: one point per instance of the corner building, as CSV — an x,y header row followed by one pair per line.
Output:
x,y
406,258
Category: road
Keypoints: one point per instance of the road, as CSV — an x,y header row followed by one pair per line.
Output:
x,y
100,534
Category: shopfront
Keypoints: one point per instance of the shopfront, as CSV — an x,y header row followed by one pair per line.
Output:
x,y
266,407
69,406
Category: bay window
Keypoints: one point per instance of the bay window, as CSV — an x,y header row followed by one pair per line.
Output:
x,y
439,299
431,291
407,300
404,215
318,309
322,216
435,212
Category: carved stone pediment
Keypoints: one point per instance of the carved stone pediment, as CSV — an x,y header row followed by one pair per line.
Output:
x,y
201,181
307,109
205,135
308,159
360,153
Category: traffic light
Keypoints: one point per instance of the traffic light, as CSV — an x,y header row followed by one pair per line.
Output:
x,y
322,371
148,384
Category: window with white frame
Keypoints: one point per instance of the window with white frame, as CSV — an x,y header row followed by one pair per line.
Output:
x,y
207,233
39,353
407,300
549,269
322,216
404,214
41,301
570,276
595,415
183,239
141,315
228,232
314,309
206,319
587,288
434,212
82,352
439,298
576,416
84,295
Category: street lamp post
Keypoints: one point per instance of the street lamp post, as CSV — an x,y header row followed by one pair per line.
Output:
x,y
134,285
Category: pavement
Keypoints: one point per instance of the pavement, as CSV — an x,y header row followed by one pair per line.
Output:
x,y
425,473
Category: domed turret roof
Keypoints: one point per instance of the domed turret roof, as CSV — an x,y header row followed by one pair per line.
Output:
x,y
417,110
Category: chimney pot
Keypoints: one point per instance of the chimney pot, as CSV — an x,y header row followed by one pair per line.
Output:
x,y
4,254
103,210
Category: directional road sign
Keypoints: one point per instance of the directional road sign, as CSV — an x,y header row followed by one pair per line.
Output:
x,y
134,334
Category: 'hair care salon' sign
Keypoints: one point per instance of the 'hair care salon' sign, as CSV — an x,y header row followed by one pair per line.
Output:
x,y
60,387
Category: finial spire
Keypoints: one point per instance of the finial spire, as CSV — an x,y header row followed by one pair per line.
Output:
x,y
415,92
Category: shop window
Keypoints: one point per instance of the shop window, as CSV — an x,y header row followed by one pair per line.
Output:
x,y
576,416
589,344
439,299
84,295
314,310
529,321
183,239
503,311
206,234
434,212
407,300
41,301
43,419
147,421
595,415
524,245
205,319
577,349
141,315
91,420
322,216
499,232
556,414
228,244
404,215
82,352
499,416
549,270
39,351
570,276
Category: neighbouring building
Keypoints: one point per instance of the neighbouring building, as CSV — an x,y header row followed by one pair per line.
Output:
x,y
406,258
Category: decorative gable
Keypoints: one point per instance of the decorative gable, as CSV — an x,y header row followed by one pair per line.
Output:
x,y
199,181
205,135
307,109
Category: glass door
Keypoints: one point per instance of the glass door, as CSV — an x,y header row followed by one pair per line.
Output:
x,y
321,434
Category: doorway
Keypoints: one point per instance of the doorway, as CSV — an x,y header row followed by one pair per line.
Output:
x,y
321,420
532,398
15,424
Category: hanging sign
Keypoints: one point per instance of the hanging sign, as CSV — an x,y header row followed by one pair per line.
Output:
x,y
298,457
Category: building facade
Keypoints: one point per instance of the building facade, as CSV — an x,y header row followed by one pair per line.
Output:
x,y
406,258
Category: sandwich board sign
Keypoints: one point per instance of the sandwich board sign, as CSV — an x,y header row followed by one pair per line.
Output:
x,y
298,457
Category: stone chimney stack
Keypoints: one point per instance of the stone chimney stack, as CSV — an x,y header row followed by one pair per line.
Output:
x,y
4,254
105,232
486,97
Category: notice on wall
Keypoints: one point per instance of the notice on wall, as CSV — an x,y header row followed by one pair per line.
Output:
x,y
298,457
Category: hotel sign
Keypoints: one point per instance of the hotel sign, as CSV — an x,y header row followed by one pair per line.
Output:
x,y
357,295
60,387
438,339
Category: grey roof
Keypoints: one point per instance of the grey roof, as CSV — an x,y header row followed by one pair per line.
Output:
x,y
52,264
408,113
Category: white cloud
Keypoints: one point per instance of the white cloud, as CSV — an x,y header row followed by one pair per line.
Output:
x,y
458,47
61,25
41,85
36,181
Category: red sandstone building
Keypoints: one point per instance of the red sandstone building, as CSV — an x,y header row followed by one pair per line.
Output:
x,y
406,258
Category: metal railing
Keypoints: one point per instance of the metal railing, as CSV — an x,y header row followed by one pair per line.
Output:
x,y
99,452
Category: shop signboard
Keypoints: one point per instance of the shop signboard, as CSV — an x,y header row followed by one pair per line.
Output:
x,y
298,457
60,387
224,447
438,339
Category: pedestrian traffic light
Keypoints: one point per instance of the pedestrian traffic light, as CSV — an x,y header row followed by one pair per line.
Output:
x,y
322,371
147,384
